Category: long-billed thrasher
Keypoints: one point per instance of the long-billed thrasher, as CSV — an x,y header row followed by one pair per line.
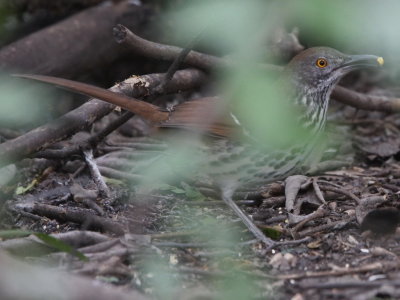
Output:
x,y
309,79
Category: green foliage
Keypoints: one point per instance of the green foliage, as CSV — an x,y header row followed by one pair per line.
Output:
x,y
236,286
5,13
190,192
263,107
22,103
60,245
272,232
20,190
13,233
181,159
47,239
170,188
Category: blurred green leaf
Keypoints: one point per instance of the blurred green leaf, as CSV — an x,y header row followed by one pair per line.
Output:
x,y
114,181
224,24
170,188
24,104
14,233
60,245
273,232
192,193
108,279
237,286
20,190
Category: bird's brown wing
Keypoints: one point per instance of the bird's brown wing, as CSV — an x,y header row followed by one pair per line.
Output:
x,y
206,115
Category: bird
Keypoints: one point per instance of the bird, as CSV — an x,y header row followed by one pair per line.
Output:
x,y
231,162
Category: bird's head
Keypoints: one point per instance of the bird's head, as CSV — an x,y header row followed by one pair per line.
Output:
x,y
320,68
313,74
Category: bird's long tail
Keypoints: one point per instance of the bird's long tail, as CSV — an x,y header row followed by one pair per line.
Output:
x,y
146,110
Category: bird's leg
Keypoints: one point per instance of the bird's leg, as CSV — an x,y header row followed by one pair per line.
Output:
x,y
227,197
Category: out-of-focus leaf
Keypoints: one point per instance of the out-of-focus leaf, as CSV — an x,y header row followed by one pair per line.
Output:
x,y
23,103
108,279
170,188
13,233
114,181
23,189
60,245
192,193
273,232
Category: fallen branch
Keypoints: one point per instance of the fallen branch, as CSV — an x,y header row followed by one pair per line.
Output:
x,y
366,102
85,217
346,284
74,45
32,246
340,191
289,243
91,142
154,50
325,227
379,266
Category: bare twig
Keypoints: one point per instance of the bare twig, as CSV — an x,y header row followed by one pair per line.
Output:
x,y
56,50
384,265
366,102
176,64
274,201
112,173
166,52
91,142
289,243
317,190
331,226
341,191
80,216
349,284
319,213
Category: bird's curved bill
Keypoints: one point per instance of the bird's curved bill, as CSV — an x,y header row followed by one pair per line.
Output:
x,y
362,61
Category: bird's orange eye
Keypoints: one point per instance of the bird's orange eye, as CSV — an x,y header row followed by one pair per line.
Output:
x,y
321,62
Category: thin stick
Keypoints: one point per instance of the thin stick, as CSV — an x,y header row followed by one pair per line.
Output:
x,y
164,52
317,190
385,265
91,142
341,191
